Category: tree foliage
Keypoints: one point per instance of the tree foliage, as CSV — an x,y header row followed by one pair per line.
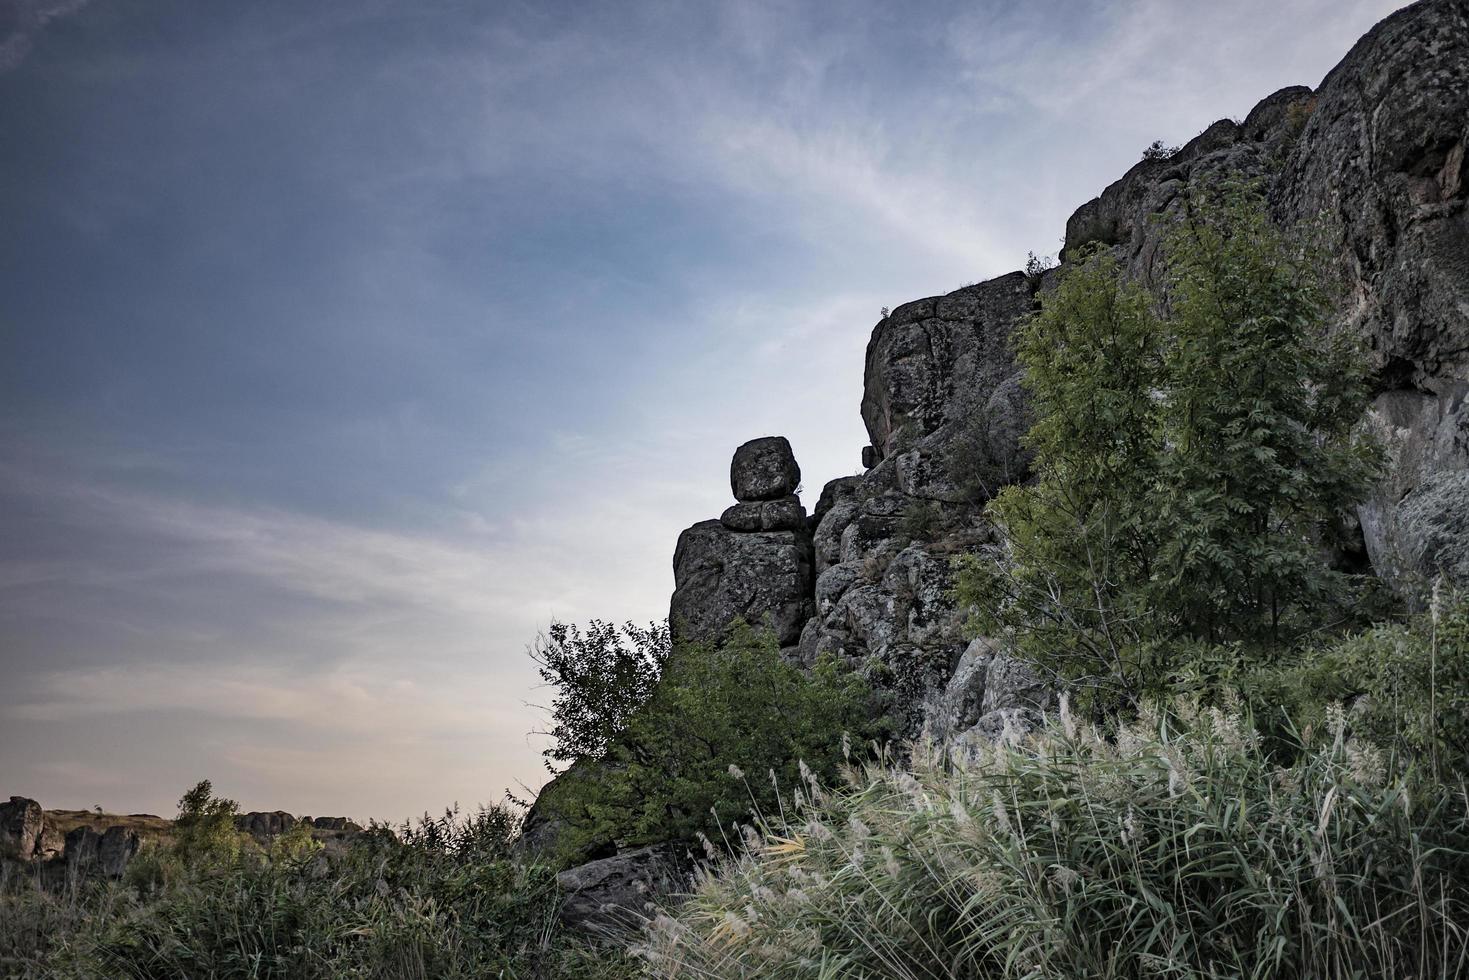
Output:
x,y
204,831
601,677
1193,451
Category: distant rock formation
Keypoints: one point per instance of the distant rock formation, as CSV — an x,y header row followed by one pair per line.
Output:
x,y
25,833
264,824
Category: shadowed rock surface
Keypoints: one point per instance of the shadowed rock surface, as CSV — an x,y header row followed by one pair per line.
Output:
x,y
25,832
613,895
107,853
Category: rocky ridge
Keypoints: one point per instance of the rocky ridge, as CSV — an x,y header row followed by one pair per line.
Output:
x,y
81,842
1374,155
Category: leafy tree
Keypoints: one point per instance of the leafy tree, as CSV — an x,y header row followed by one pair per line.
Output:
x,y
1257,453
1193,448
725,725
204,831
601,677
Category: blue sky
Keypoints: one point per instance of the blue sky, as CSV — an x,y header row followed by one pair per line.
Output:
x,y
343,345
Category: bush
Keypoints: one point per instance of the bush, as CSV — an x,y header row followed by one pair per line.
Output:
x,y
1406,685
1173,848
677,770
1158,150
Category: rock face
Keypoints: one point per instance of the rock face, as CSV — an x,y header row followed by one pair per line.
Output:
x,y
1376,154
25,833
108,853
612,895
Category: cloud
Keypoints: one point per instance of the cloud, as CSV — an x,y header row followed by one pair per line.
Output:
x,y
23,20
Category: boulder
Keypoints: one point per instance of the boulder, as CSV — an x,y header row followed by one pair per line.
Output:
x,y
554,829
991,693
936,361
25,832
764,469
264,824
764,578
615,895
783,514
107,853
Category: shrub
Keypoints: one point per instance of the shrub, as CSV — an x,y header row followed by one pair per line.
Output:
x,y
1406,684
1173,848
1158,150
601,678
204,830
439,898
719,711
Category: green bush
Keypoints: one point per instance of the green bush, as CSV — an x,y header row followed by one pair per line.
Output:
x,y
1406,686
1173,847
677,769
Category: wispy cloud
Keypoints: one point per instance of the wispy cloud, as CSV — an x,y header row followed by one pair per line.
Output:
x,y
23,20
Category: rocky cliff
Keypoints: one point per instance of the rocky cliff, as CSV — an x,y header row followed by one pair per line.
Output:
x,y
1376,154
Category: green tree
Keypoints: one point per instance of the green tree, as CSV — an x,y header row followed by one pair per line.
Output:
x,y
1193,448
204,831
601,676
1258,457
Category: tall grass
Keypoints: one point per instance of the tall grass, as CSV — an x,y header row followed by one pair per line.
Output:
x,y
1174,847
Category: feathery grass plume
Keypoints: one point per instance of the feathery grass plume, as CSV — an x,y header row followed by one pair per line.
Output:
x,y
1169,848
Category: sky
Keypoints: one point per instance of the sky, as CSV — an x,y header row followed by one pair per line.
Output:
x,y
345,345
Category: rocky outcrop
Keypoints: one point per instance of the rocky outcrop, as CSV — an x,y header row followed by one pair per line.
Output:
x,y
342,825
753,564
1374,157
613,895
945,412
106,853
25,832
264,824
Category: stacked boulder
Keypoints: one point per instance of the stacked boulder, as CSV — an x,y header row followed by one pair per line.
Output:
x,y
755,563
